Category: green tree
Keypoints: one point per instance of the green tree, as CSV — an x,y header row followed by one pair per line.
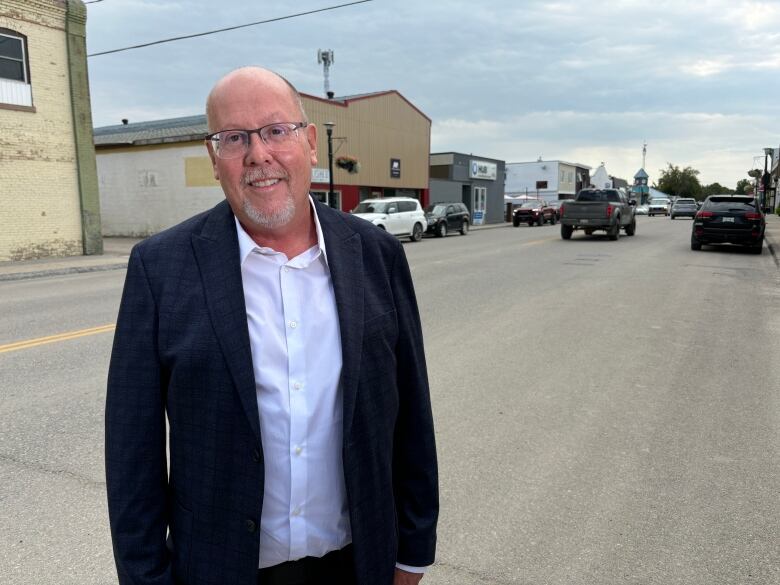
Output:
x,y
715,189
742,184
680,182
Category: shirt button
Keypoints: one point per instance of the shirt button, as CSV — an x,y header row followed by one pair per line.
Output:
x,y
297,386
251,526
293,324
298,450
287,269
296,512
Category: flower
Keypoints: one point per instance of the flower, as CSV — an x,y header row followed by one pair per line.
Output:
x,y
348,163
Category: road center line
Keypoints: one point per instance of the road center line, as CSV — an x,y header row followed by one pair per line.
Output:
x,y
54,338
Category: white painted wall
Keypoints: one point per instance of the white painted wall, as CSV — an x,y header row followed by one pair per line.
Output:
x,y
524,175
144,191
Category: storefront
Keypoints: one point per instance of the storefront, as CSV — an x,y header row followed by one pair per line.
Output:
x,y
478,182
380,144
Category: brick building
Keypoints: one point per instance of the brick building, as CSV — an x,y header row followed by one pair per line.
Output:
x,y
49,204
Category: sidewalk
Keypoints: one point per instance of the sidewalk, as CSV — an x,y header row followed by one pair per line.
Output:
x,y
116,251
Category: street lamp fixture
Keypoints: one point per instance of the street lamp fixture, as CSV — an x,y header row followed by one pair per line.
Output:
x,y
329,131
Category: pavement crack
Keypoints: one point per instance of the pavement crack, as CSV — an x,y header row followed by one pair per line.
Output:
x,y
40,468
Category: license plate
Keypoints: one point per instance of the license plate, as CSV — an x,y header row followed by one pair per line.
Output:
x,y
583,221
728,219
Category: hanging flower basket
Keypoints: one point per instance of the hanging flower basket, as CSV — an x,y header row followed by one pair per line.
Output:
x,y
348,163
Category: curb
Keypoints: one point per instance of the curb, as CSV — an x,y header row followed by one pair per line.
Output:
x,y
60,272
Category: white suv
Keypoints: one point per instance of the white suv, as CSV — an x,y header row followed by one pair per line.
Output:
x,y
401,216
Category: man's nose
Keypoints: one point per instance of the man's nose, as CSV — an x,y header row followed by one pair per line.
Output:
x,y
257,151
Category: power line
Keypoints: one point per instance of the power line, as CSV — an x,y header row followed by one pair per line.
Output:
x,y
93,1
211,32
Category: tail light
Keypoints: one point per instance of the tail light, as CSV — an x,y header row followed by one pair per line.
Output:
x,y
752,215
703,214
560,210
609,211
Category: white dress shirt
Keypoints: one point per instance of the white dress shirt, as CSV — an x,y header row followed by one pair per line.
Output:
x,y
296,352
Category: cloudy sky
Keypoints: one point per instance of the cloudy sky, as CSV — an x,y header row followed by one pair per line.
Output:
x,y
515,80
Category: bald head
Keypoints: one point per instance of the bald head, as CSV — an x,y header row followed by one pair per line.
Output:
x,y
251,79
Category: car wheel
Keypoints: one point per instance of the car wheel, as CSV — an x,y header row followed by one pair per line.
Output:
x,y
417,232
758,248
588,232
464,229
540,221
531,223
631,228
614,232
552,219
441,229
515,222
566,231
672,216
695,244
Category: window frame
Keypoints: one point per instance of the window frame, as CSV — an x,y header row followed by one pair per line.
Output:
x,y
7,32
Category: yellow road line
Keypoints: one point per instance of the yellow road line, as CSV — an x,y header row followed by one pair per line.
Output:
x,y
54,338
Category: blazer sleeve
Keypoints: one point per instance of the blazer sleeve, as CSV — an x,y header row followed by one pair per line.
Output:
x,y
136,463
415,474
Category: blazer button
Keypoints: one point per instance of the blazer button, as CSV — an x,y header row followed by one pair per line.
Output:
x,y
251,526
256,455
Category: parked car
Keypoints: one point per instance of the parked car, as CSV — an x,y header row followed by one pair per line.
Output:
x,y
556,205
725,219
683,207
401,216
443,218
641,210
533,211
658,206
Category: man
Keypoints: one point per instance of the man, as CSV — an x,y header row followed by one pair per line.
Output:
x,y
283,341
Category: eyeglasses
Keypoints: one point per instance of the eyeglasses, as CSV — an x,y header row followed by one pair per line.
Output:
x,y
235,143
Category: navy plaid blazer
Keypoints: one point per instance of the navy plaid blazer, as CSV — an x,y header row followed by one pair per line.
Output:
x,y
182,349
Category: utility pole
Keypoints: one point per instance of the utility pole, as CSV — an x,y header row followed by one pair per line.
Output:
x,y
644,154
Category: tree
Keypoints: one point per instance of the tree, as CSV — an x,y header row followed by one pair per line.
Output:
x,y
680,182
715,189
742,185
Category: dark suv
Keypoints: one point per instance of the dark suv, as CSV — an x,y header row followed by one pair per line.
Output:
x,y
725,219
447,217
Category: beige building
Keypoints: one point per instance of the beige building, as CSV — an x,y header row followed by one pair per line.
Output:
x,y
49,196
153,175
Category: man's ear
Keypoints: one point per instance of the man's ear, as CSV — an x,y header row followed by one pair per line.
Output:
x,y
213,158
311,136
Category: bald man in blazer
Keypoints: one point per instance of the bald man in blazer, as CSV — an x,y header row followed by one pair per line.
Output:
x,y
191,350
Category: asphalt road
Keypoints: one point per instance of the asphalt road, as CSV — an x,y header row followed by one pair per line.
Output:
x,y
607,412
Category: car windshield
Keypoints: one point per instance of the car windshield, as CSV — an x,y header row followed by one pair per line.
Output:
x,y
371,207
531,204
436,209
685,202
659,201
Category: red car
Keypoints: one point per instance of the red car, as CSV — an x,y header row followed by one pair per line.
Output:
x,y
534,211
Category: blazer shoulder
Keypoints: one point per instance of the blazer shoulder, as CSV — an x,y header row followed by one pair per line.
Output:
x,y
177,237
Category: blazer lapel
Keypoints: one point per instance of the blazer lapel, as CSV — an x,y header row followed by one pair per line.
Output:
x,y
345,262
217,255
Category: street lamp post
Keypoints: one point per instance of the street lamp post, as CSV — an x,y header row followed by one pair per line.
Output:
x,y
766,180
329,131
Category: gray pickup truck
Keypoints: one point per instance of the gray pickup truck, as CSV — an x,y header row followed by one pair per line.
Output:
x,y
592,210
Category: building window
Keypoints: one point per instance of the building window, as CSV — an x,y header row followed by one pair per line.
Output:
x,y
14,69
541,184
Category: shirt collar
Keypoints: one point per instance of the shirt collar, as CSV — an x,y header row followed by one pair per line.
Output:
x,y
246,245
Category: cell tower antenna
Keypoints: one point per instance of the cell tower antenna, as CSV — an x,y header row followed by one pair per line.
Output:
x,y
644,153
325,58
